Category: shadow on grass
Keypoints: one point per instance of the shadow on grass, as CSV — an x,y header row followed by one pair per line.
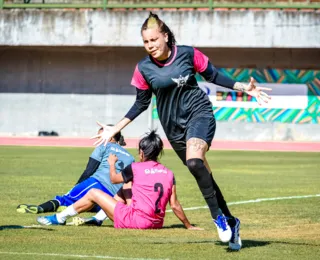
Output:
x,y
175,226
25,227
246,244
293,243
255,243
183,242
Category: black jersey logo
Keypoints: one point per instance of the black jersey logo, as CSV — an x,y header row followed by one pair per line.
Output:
x,y
181,81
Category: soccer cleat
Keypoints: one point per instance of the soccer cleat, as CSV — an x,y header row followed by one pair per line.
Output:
x,y
25,208
49,220
235,241
223,228
77,221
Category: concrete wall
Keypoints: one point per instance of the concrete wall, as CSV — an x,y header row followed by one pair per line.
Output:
x,y
67,70
45,84
66,89
108,70
76,115
254,29
67,114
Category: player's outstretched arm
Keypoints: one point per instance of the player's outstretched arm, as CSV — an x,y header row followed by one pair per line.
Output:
x,y
252,90
109,131
143,100
178,210
211,74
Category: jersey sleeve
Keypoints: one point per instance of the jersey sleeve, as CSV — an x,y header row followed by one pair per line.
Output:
x,y
200,61
211,74
138,80
97,153
127,174
141,104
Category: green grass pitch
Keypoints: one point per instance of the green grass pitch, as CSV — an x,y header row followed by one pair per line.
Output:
x,y
279,229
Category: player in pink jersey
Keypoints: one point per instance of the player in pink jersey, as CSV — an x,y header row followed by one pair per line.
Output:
x,y
141,204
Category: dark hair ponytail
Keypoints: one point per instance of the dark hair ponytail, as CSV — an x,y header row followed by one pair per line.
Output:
x,y
151,145
121,141
154,19
118,137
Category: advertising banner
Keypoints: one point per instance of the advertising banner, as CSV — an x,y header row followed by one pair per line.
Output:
x,y
295,97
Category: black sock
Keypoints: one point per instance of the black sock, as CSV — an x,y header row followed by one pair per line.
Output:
x,y
222,204
50,206
213,205
204,180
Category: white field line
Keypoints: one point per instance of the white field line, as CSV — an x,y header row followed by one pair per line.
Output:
x,y
256,201
193,208
80,256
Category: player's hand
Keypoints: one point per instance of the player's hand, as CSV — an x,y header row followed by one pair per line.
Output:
x,y
104,137
112,159
194,228
257,92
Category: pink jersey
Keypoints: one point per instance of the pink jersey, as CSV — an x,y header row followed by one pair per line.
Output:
x,y
151,190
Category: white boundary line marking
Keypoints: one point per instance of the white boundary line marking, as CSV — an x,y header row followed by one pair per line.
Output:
x,y
185,209
255,201
81,256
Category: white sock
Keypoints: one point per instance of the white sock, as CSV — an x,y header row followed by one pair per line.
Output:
x,y
68,212
101,215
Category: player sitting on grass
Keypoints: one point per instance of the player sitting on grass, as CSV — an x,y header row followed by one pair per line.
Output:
x,y
95,176
153,186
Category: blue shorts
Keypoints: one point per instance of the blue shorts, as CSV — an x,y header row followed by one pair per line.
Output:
x,y
80,190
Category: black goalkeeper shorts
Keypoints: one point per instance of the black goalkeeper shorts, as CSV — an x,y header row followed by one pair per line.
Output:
x,y
199,127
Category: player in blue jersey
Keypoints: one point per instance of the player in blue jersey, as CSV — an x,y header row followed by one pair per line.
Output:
x,y
185,111
96,175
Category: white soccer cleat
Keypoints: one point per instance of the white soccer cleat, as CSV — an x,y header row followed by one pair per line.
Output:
x,y
223,228
49,220
235,241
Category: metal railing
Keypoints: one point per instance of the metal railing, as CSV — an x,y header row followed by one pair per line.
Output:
x,y
164,4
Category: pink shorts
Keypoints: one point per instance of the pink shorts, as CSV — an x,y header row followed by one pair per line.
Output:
x,y
127,217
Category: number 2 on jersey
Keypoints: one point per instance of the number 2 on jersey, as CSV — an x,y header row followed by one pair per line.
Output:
x,y
156,188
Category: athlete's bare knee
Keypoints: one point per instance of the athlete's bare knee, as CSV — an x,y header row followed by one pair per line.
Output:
x,y
196,148
92,194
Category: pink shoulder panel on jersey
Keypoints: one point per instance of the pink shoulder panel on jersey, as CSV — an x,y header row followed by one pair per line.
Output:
x,y
138,80
200,61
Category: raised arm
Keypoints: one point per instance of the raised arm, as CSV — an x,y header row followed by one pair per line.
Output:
x,y
211,74
178,210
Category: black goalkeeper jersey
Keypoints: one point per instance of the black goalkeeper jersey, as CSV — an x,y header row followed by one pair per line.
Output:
x,y
179,98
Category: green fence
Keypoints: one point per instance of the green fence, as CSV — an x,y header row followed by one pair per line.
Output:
x,y
140,4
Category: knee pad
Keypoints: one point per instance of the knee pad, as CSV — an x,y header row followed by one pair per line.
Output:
x,y
202,176
196,167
